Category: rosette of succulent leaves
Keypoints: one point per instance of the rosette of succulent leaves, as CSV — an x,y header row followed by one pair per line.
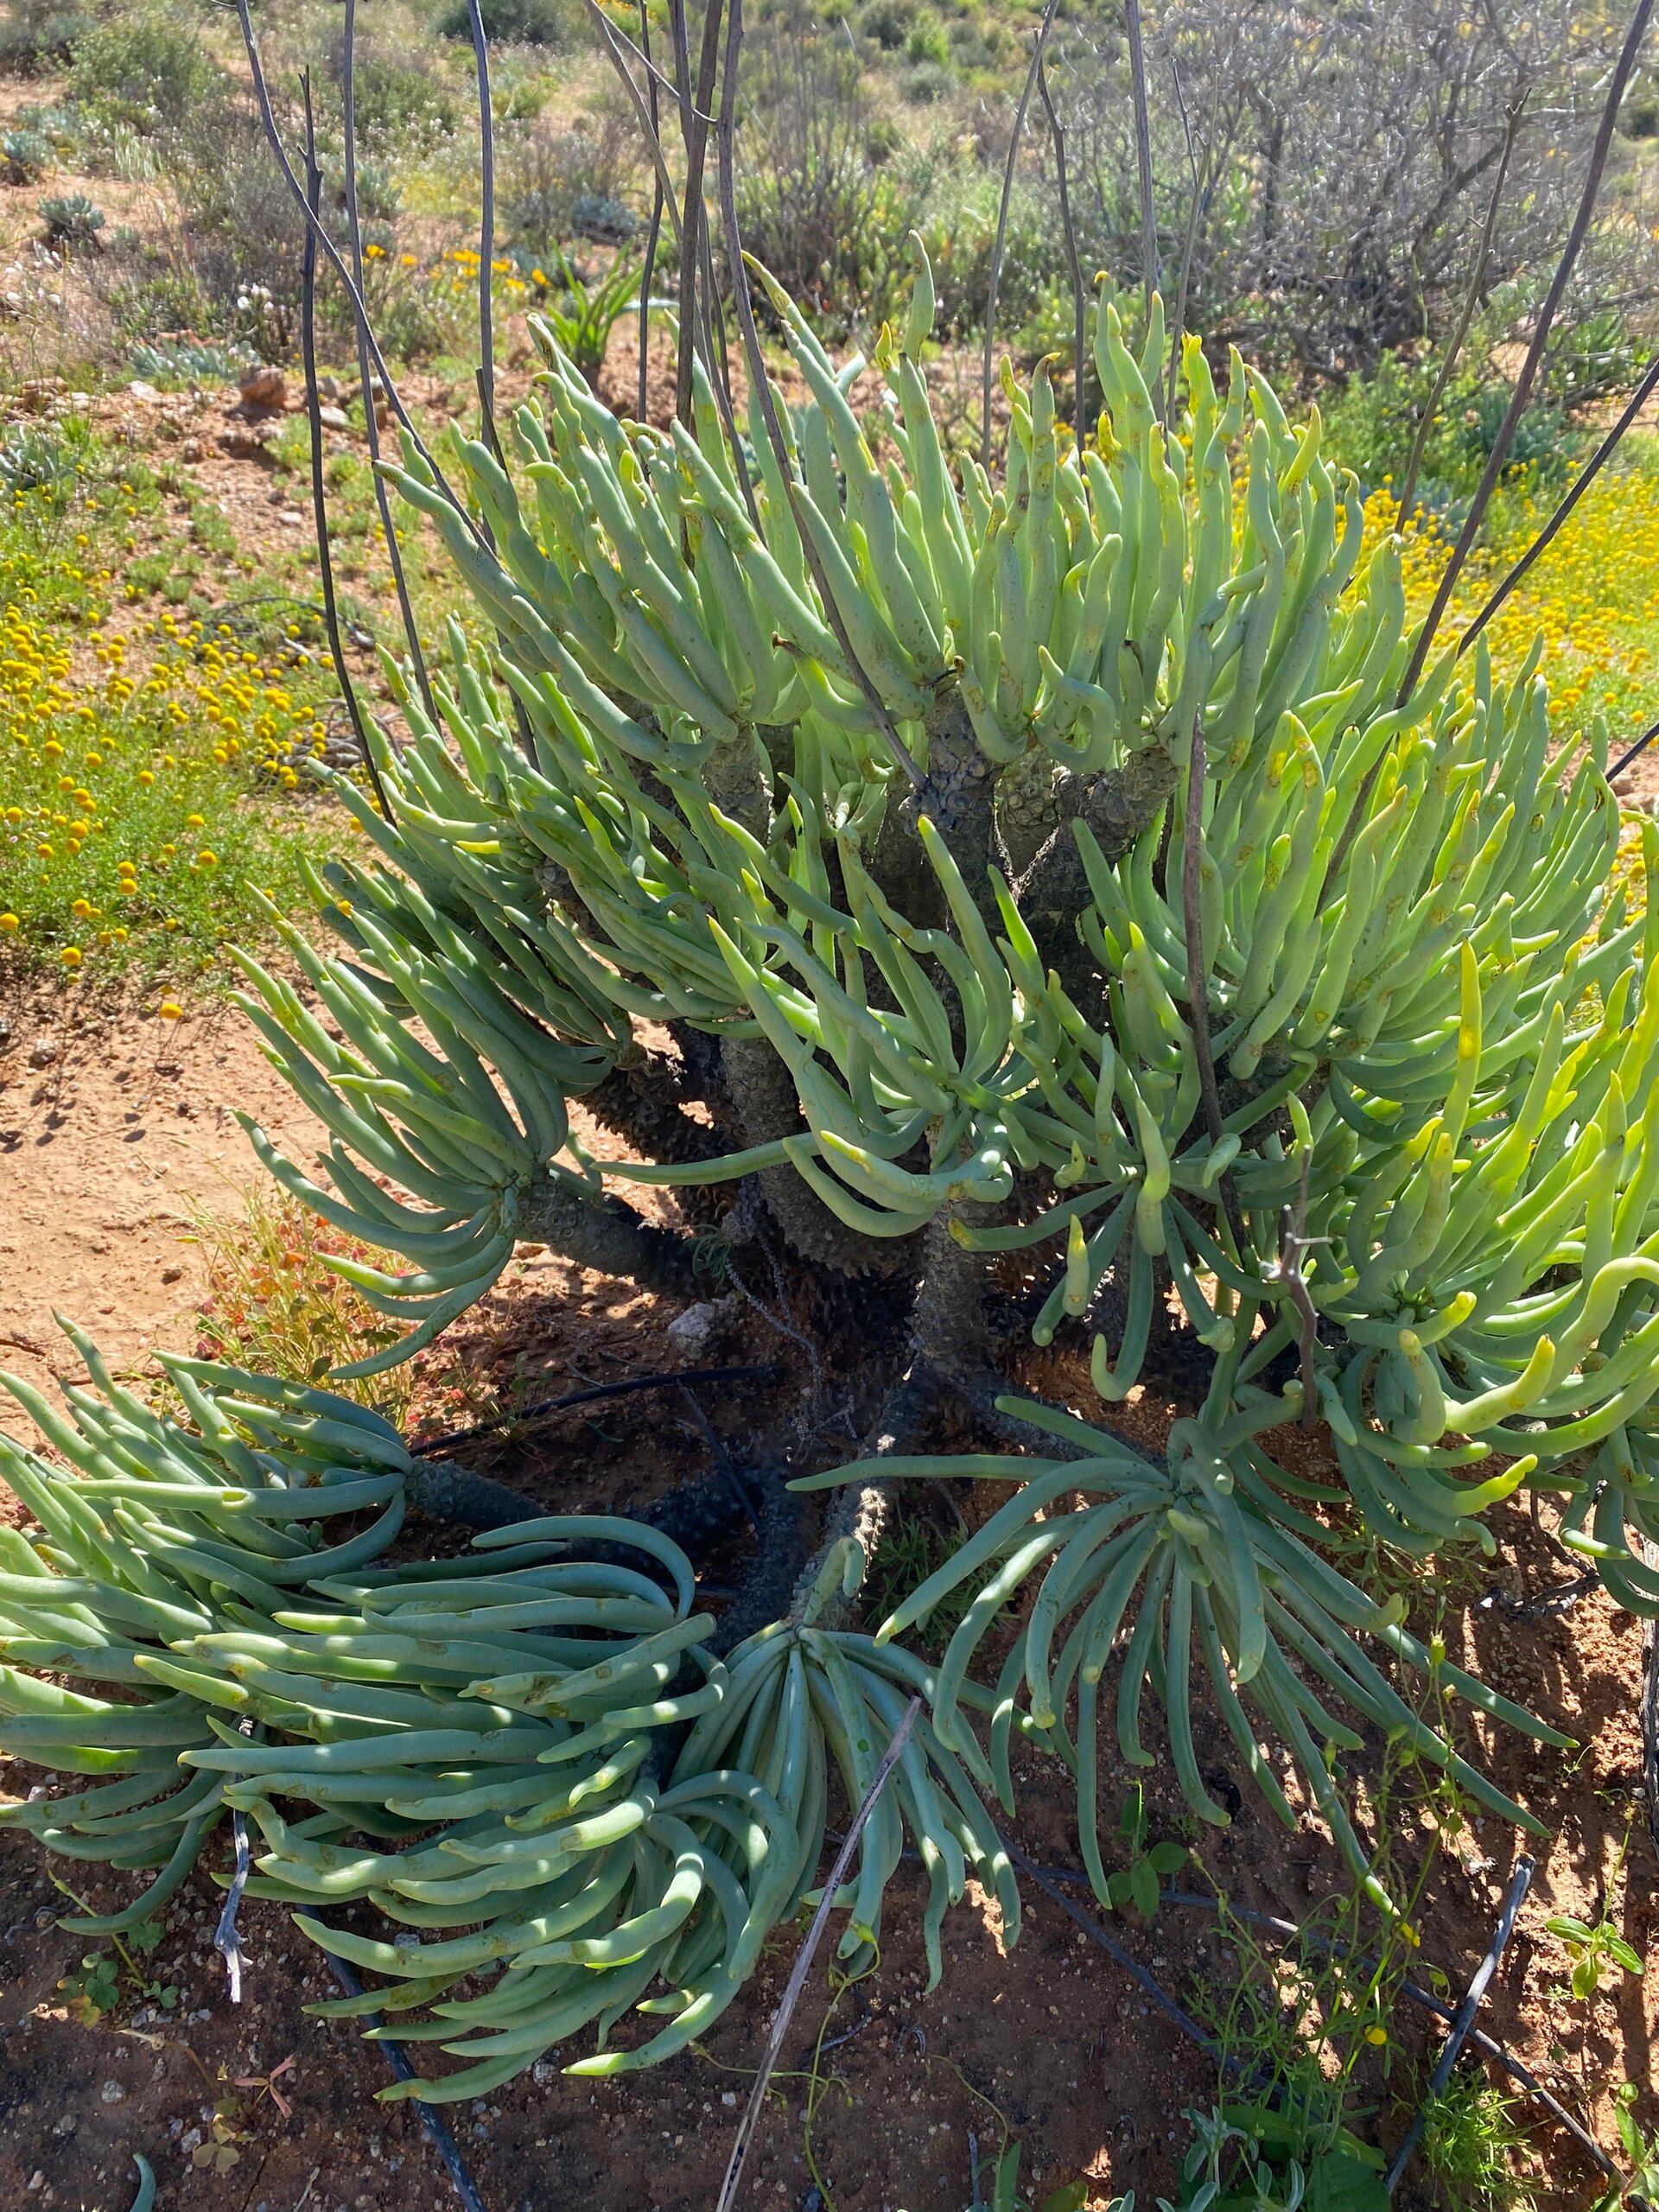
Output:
x,y
530,1757
1049,866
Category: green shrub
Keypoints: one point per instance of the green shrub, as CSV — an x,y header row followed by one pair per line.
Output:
x,y
242,234
889,21
553,183
514,22
815,206
392,98
882,141
143,70
927,42
957,222
34,38
1372,421
924,85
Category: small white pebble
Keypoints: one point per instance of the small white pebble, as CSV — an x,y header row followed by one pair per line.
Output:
x,y
113,2093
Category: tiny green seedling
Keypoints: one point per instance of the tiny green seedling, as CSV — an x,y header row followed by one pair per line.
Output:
x,y
1137,1883
105,1976
1597,1950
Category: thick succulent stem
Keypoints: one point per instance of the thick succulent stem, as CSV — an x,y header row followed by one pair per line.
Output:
x,y
443,1492
1118,807
736,779
606,1233
948,1327
764,1097
642,1101
693,1513
949,1336
958,796
775,1569
860,1514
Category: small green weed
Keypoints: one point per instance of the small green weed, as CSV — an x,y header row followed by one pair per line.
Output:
x,y
272,1304
1470,2145
1137,1884
107,1978
906,1553
1641,2151
1298,2025
1597,1951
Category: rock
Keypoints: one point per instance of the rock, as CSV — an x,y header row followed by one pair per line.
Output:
x,y
328,388
262,385
43,1052
334,419
191,450
1623,786
112,2092
146,393
245,442
689,1332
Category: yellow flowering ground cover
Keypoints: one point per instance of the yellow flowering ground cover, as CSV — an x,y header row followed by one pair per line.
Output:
x,y
148,773
1594,594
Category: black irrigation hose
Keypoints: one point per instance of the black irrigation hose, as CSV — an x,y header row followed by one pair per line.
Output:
x,y
1048,1876
1520,1882
1634,753
1096,1933
1487,2045
674,1381
436,2127
741,1495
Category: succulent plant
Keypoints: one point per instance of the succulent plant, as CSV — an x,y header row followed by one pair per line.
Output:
x,y
26,156
72,220
1077,864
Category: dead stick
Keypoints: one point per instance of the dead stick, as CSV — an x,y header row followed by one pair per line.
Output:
x,y
803,1965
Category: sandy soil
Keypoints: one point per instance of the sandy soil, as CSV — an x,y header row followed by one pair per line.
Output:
x,y
115,1129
